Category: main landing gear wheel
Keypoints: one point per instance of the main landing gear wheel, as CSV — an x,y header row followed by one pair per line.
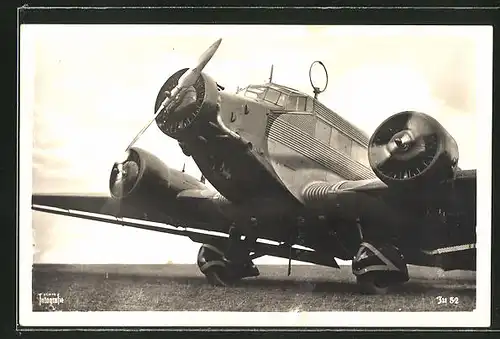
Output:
x,y
219,271
379,268
373,283
218,275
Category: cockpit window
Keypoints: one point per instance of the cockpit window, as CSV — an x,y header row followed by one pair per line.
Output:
x,y
282,100
257,92
291,103
272,96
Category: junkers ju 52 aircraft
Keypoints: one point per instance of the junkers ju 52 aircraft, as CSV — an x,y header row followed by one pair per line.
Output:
x,y
294,180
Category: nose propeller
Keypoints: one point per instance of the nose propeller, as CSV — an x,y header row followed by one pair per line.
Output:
x,y
188,79
185,81
126,168
403,140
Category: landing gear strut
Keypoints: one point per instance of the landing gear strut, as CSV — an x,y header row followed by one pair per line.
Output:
x,y
226,268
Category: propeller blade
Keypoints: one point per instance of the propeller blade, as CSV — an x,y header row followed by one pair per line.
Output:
x,y
188,79
381,154
416,124
123,157
113,206
190,76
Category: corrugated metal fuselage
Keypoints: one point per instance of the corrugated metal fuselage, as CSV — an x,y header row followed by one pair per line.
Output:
x,y
289,150
292,148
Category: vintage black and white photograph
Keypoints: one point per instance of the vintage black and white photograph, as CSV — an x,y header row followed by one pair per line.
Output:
x,y
253,175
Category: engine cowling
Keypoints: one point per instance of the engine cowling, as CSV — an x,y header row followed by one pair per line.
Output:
x,y
143,179
197,104
412,148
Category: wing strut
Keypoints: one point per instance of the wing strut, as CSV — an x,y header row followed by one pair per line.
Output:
x,y
292,241
290,260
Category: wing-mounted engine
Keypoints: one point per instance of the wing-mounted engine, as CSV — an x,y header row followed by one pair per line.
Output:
x,y
412,148
142,178
194,106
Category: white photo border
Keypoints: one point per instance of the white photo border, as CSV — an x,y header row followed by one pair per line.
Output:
x,y
480,317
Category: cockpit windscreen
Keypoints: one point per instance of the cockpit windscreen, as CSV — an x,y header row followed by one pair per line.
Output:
x,y
289,102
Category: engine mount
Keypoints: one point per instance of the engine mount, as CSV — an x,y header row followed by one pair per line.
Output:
x,y
412,148
197,103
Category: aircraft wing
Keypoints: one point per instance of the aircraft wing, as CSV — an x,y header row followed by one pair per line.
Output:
x,y
103,208
382,204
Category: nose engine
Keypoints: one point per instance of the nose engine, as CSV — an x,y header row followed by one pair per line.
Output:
x,y
192,109
412,147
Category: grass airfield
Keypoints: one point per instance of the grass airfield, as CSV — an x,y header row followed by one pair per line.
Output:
x,y
173,287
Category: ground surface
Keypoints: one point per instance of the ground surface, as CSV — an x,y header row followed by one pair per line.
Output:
x,y
184,288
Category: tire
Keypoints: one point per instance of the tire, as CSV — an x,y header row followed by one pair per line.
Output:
x,y
218,276
220,272
211,264
371,283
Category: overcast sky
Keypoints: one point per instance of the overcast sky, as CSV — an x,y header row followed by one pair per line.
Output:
x,y
95,86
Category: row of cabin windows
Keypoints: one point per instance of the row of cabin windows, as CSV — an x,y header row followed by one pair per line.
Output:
x,y
288,102
324,132
338,140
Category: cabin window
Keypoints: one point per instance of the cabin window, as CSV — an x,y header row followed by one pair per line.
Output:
x,y
323,131
301,104
297,103
272,96
256,92
309,105
341,142
360,154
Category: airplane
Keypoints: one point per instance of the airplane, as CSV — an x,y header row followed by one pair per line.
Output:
x,y
294,180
